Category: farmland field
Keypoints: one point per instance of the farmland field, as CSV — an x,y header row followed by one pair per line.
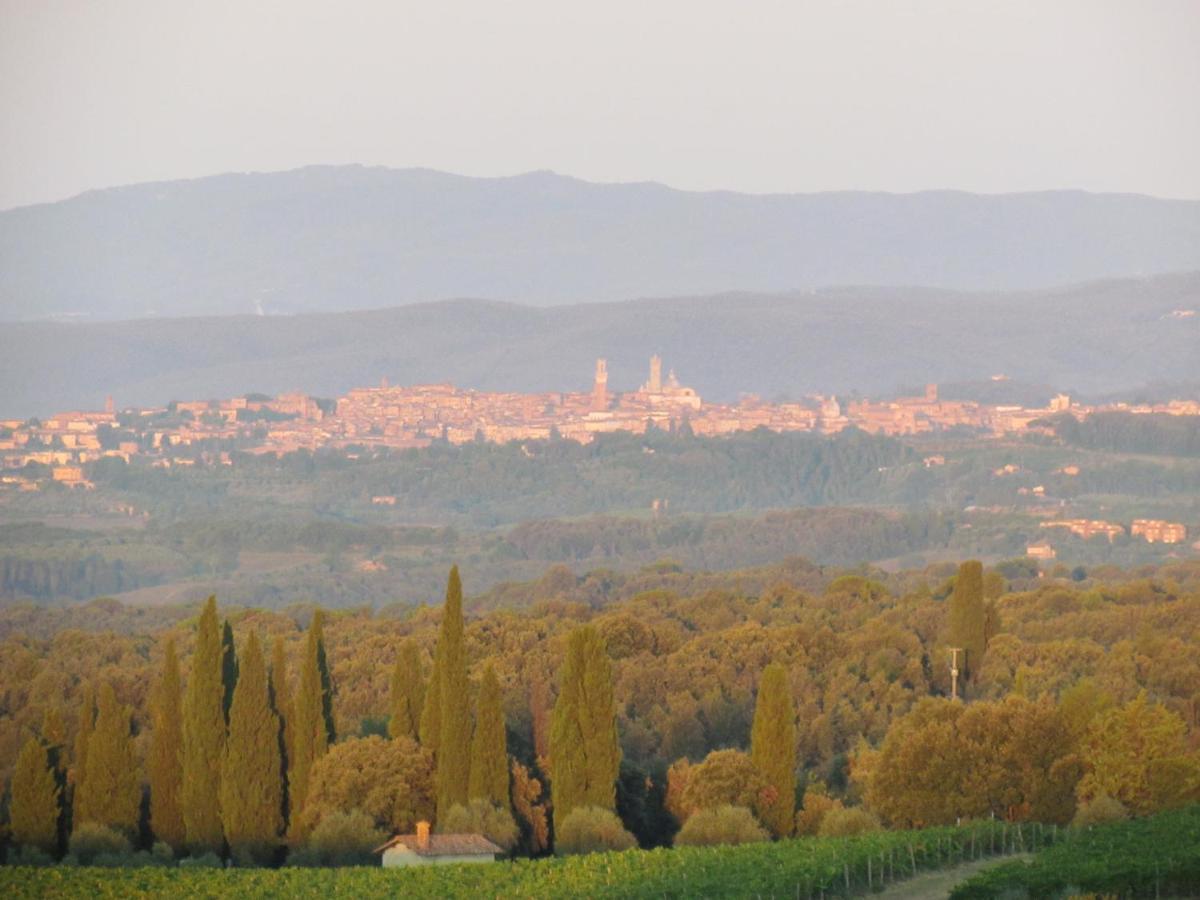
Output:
x,y
804,867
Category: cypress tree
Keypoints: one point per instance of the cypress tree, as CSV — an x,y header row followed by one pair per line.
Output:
x,y
203,738
431,709
454,741
54,737
326,681
489,747
34,808
968,616
585,754
251,788
83,734
229,669
281,702
112,792
407,694
311,736
773,749
166,754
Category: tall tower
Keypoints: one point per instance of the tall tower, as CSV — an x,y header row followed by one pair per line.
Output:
x,y
600,387
931,393
654,385
108,404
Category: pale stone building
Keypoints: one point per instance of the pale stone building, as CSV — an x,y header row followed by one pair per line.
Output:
x,y
425,849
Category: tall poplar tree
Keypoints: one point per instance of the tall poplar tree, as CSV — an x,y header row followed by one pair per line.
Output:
x,y
229,669
773,749
968,616
407,693
489,747
112,793
34,808
454,741
166,754
251,787
281,702
585,754
83,734
311,735
204,738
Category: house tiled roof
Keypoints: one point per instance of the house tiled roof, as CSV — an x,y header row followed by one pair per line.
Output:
x,y
445,845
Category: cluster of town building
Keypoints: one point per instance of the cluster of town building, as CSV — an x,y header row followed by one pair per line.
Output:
x,y
1153,531
400,417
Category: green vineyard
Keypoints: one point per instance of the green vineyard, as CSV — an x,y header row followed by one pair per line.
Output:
x,y
807,867
1155,857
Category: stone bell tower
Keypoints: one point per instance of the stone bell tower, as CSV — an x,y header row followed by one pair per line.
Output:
x,y
600,387
654,385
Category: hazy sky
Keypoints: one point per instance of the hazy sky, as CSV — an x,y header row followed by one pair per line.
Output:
x,y
756,96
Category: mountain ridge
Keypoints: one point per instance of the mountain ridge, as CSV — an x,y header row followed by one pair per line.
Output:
x,y
337,238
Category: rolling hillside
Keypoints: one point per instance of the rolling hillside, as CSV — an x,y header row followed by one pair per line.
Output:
x,y
1098,337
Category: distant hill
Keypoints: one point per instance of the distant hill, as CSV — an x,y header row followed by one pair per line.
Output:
x,y
327,239
1094,338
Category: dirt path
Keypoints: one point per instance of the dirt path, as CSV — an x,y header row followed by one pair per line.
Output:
x,y
937,885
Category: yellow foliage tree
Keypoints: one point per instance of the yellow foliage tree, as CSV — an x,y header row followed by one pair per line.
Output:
x,y
165,765
407,692
773,750
111,794
35,808
1137,754
389,780
251,788
204,738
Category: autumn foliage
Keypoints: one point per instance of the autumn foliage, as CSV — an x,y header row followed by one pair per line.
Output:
x,y
681,691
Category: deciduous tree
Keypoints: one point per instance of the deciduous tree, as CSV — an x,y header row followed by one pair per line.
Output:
x,y
527,800
390,780
1126,747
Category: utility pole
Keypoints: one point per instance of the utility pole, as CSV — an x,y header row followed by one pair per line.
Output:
x,y
954,651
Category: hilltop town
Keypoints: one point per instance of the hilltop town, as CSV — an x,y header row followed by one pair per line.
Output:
x,y
186,432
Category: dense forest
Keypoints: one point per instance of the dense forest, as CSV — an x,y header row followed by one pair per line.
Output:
x,y
271,532
1095,678
484,485
1156,434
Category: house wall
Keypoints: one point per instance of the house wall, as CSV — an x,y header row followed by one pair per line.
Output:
x,y
402,856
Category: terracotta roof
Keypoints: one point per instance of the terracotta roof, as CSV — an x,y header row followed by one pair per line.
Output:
x,y
445,845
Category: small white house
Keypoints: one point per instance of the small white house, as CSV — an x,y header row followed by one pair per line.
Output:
x,y
425,849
